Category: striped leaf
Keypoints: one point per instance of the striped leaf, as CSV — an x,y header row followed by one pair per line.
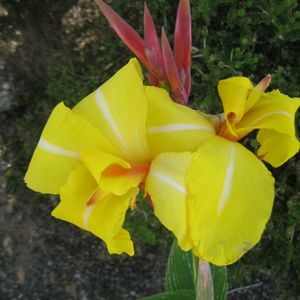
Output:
x,y
179,295
219,275
181,273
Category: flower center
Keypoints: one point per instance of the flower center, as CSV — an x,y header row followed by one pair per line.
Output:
x,y
136,170
223,130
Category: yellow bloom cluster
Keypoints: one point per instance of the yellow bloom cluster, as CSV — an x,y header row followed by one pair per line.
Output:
x,y
209,190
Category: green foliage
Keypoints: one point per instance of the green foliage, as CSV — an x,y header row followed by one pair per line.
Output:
x,y
179,295
219,275
250,38
182,272
144,226
62,56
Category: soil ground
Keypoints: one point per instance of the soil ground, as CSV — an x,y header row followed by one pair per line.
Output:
x,y
44,258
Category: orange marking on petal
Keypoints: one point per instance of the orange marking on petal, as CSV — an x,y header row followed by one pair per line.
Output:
x,y
231,116
223,128
93,199
115,171
135,170
139,169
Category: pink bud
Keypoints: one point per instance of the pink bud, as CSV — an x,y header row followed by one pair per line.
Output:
x,y
171,70
183,42
153,50
264,83
127,34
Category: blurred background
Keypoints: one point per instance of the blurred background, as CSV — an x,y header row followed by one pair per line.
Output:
x,y
53,50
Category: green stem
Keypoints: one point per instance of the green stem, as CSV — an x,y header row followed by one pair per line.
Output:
x,y
205,284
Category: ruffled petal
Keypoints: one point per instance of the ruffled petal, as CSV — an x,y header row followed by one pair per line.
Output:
x,y
230,198
118,109
107,219
58,151
276,148
113,174
172,127
85,205
233,93
165,184
274,114
274,110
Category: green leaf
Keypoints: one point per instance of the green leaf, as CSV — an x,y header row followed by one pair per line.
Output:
x,y
146,234
181,273
178,295
219,275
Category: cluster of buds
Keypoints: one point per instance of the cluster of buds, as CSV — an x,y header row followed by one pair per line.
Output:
x,y
166,68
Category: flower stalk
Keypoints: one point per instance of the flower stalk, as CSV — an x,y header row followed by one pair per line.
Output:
x,y
205,284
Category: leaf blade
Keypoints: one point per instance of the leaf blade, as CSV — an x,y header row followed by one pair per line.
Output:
x,y
180,274
219,275
179,295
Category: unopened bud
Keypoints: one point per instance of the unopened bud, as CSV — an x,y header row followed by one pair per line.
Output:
x,y
264,83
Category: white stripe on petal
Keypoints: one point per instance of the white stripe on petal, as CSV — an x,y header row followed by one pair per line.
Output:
x,y
51,148
177,127
100,100
91,204
227,182
87,214
169,181
283,113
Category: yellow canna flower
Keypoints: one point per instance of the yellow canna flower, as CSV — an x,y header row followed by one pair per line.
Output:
x,y
247,108
230,192
209,190
122,137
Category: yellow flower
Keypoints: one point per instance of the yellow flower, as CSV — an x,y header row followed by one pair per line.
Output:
x,y
247,108
122,137
209,190
230,192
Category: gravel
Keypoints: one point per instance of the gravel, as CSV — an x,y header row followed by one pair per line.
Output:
x,y
45,258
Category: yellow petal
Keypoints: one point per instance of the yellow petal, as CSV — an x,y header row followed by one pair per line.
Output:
x,y
112,174
97,161
173,127
48,171
233,93
273,111
84,205
119,180
166,186
276,148
57,152
107,219
118,108
230,198
274,114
